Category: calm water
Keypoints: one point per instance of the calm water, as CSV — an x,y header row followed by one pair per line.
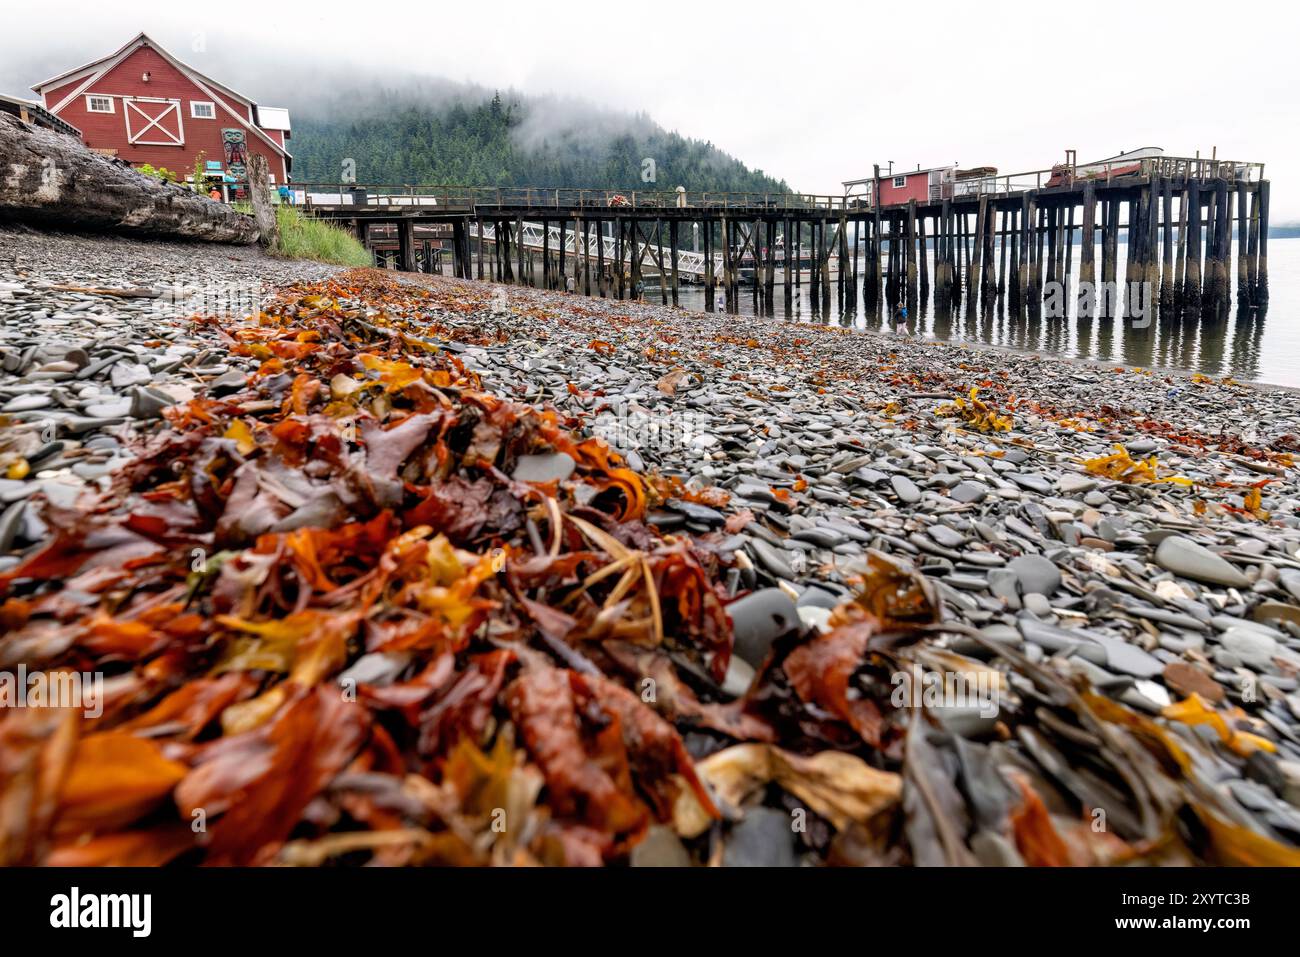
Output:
x,y
1253,345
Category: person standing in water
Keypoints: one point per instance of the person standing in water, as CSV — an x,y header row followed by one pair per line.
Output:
x,y
900,319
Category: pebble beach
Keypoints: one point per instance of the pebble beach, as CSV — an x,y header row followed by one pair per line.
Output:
x,y
1094,569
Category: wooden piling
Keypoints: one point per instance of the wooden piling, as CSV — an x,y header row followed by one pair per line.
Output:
x,y
944,260
672,245
923,263
1088,239
1192,277
825,266
1243,230
876,241
842,251
891,265
1036,280
602,280
961,253
1261,274
770,281
1167,272
519,247
506,272
1069,241
1110,267
457,251
1013,258
1131,251
798,254
586,258
658,254
1222,235
1252,247
634,258
1209,230
1151,240
1022,270
478,224
728,294
989,282
1053,241
1003,240
560,273
787,251
1180,268
909,241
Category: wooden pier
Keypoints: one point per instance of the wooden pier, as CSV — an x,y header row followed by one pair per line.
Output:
x,y
1001,240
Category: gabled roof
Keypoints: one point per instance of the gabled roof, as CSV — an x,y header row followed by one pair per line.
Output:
x,y
121,53
90,72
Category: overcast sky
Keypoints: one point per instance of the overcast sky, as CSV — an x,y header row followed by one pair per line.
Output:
x,y
813,92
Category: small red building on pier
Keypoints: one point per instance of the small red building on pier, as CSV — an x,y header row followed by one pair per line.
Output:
x,y
898,188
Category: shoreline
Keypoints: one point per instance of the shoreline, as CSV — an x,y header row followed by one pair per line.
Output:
x,y
1178,371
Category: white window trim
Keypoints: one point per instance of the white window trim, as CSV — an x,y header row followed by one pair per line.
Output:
x,y
199,116
91,97
900,182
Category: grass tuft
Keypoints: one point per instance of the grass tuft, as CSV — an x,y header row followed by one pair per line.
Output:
x,y
302,237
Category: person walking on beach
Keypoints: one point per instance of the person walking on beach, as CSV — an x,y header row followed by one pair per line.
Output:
x,y
900,319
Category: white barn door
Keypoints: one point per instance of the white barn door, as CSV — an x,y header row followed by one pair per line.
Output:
x,y
153,122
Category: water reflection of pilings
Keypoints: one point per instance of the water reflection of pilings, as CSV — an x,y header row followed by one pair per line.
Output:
x,y
1247,340
1131,322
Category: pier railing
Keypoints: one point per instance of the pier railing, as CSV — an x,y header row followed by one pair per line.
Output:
x,y
1173,167
467,198
335,197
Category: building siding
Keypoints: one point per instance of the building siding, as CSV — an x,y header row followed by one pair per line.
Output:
x,y
917,187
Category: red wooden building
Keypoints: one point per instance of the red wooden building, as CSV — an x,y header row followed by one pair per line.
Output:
x,y
143,105
922,185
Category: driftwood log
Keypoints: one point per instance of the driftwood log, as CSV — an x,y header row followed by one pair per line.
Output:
x,y
51,179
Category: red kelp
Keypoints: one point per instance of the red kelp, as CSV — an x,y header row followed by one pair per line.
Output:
x,y
336,625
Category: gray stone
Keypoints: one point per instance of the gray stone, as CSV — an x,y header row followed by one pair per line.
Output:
x,y
1253,648
1074,483
969,492
1127,658
1037,603
775,560
661,847
905,489
548,467
1182,556
764,838
759,619
695,512
27,403
1036,574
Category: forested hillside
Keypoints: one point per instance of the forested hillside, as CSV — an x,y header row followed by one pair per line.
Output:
x,y
467,139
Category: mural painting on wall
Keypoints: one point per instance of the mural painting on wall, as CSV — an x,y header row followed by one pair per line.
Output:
x,y
236,156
